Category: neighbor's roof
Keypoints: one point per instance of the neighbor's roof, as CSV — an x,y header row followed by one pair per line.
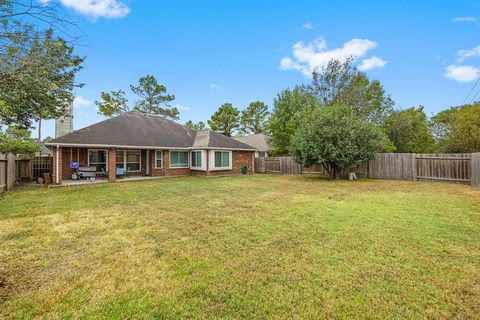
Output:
x,y
259,141
138,129
213,139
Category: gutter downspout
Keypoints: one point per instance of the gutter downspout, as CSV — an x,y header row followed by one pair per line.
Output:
x,y
57,178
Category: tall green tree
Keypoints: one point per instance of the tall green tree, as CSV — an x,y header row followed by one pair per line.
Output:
x,y
37,68
340,82
18,141
337,138
286,115
37,77
408,130
113,103
153,98
458,129
195,126
225,120
254,118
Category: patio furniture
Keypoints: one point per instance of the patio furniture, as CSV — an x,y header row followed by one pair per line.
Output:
x,y
87,172
120,172
104,172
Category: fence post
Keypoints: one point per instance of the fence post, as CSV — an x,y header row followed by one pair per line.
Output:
x,y
10,176
414,166
475,170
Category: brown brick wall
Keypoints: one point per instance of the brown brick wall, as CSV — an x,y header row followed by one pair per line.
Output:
x,y
239,159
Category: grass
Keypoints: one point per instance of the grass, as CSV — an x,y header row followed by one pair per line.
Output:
x,y
241,247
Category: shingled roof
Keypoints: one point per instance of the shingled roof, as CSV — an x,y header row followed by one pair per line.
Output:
x,y
212,139
259,141
138,129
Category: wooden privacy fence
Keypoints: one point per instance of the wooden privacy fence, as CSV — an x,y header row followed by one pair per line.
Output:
x,y
7,172
458,168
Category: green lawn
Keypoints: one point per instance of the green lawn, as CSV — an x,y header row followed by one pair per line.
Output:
x,y
241,247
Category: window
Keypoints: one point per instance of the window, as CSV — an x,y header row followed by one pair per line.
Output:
x,y
98,159
158,159
179,159
120,157
262,154
128,160
133,160
196,157
222,159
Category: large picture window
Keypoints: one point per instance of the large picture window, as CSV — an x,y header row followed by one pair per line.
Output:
x,y
222,159
129,160
158,159
196,159
178,159
98,159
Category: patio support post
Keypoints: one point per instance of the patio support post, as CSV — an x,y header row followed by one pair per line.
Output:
x,y
57,165
112,165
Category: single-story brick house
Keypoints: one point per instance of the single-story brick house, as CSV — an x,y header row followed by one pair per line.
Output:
x,y
148,145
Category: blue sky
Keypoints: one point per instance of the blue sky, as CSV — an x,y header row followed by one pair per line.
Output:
x,y
210,52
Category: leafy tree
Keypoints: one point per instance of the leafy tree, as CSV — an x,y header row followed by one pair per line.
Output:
x,y
112,103
254,118
18,141
154,98
337,138
225,120
195,126
458,129
285,117
342,83
37,77
409,132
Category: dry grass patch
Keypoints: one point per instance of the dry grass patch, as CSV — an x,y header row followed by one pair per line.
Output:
x,y
241,247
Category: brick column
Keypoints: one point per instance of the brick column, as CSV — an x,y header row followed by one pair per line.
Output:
x,y
112,165
57,178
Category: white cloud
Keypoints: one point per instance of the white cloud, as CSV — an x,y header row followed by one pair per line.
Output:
x,y
464,19
467,53
462,74
99,8
307,26
315,54
180,107
81,102
215,86
371,63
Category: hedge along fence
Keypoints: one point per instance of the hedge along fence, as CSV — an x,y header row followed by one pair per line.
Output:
x,y
457,168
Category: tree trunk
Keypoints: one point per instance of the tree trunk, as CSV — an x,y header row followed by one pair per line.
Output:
x,y
39,131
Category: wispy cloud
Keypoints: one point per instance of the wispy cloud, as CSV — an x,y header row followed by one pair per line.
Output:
x,y
313,55
99,8
180,107
307,26
215,86
468,53
81,102
462,74
464,19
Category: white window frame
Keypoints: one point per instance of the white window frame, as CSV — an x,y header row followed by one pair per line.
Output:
x,y
106,159
156,158
125,160
125,166
203,159
212,166
170,159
